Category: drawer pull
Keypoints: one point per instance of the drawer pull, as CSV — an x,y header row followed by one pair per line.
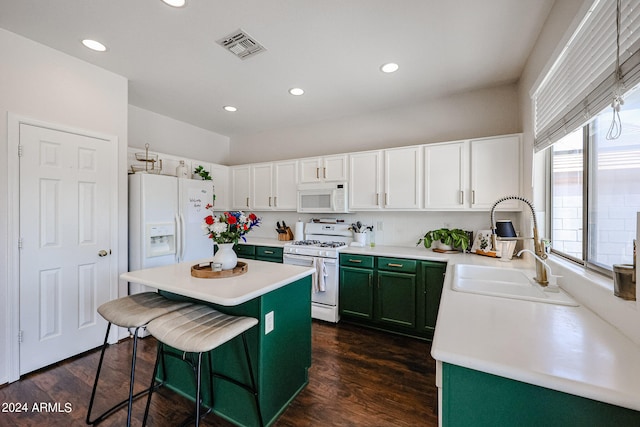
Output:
x,y
357,261
268,252
394,265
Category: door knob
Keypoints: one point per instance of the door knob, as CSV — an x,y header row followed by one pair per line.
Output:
x,y
102,253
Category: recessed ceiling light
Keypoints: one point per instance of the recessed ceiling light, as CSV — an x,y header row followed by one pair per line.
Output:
x,y
296,91
175,3
389,68
230,108
94,45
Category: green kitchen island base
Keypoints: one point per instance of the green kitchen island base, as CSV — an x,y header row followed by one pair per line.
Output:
x,y
280,358
471,397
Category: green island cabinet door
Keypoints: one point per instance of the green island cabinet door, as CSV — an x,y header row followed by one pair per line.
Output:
x,y
429,292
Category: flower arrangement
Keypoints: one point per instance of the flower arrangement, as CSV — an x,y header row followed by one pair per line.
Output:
x,y
229,227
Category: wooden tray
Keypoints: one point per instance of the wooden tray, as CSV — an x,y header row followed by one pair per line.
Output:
x,y
204,271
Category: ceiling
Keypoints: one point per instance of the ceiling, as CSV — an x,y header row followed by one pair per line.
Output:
x,y
333,49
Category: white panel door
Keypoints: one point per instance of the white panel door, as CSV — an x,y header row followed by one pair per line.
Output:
x,y
65,197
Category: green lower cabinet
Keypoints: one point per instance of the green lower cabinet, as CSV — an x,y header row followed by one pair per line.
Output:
x,y
393,294
245,251
476,398
356,292
269,253
429,293
396,294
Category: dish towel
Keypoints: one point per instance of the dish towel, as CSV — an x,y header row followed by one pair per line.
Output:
x,y
321,273
314,277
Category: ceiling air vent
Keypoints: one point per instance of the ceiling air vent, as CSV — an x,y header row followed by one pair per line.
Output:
x,y
241,44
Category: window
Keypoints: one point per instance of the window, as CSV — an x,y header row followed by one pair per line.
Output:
x,y
595,187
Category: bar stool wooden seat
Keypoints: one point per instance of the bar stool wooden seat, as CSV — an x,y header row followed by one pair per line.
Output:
x,y
196,330
131,312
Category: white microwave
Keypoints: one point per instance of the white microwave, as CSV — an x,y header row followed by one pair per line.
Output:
x,y
325,197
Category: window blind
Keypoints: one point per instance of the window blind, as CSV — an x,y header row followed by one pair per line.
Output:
x,y
582,80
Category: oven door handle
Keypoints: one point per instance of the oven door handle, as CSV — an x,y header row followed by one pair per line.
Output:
x,y
308,259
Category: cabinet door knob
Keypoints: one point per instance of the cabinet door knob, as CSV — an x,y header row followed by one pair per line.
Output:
x,y
394,265
269,201
318,173
357,261
462,197
247,202
324,172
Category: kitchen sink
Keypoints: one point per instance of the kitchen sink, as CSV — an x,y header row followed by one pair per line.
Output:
x,y
505,283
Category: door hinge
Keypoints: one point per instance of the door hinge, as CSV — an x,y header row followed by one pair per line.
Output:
x,y
20,243
20,336
20,152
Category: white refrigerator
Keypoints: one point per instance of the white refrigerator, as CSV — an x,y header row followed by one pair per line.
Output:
x,y
165,217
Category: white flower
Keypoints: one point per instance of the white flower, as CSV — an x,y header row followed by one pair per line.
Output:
x,y
218,227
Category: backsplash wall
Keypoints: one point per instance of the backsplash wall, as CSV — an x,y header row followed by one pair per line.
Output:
x,y
398,228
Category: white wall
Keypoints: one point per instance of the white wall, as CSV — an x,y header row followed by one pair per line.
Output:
x,y
486,112
47,85
170,136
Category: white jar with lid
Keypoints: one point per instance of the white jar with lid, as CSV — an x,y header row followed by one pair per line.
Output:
x,y
181,170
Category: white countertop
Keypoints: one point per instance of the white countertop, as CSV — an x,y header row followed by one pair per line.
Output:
x,y
569,349
261,277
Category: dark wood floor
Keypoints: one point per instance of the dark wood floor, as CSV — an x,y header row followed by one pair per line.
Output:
x,y
359,377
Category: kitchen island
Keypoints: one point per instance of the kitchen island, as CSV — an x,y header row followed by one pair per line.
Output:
x,y
279,296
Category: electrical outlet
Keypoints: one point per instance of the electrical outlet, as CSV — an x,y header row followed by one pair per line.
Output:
x,y
268,322
379,226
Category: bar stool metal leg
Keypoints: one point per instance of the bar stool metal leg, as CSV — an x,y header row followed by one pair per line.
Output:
x,y
130,398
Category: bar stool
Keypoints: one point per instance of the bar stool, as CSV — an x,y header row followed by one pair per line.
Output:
x,y
196,330
131,312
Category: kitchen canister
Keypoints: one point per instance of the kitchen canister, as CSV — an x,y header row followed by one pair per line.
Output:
x,y
181,170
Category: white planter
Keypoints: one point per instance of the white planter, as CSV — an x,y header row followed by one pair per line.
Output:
x,y
439,245
226,256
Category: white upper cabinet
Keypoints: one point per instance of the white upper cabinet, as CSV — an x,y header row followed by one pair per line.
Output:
x,y
241,187
402,178
262,186
496,171
446,176
274,185
220,177
285,185
365,180
319,169
472,175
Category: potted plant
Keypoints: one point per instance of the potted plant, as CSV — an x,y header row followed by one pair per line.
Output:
x,y
446,239
202,173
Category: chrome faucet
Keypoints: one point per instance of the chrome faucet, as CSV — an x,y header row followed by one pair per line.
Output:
x,y
541,255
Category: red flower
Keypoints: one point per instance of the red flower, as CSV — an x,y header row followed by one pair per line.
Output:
x,y
252,217
209,220
231,219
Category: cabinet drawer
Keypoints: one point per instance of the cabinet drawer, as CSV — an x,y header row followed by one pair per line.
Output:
x,y
397,264
245,251
269,252
359,261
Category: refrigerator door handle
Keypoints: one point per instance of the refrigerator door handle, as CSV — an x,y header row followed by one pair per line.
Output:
x,y
178,237
183,235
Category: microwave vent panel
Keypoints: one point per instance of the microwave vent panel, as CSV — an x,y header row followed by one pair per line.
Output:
x,y
241,44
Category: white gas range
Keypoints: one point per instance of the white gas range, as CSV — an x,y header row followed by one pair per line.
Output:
x,y
320,250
